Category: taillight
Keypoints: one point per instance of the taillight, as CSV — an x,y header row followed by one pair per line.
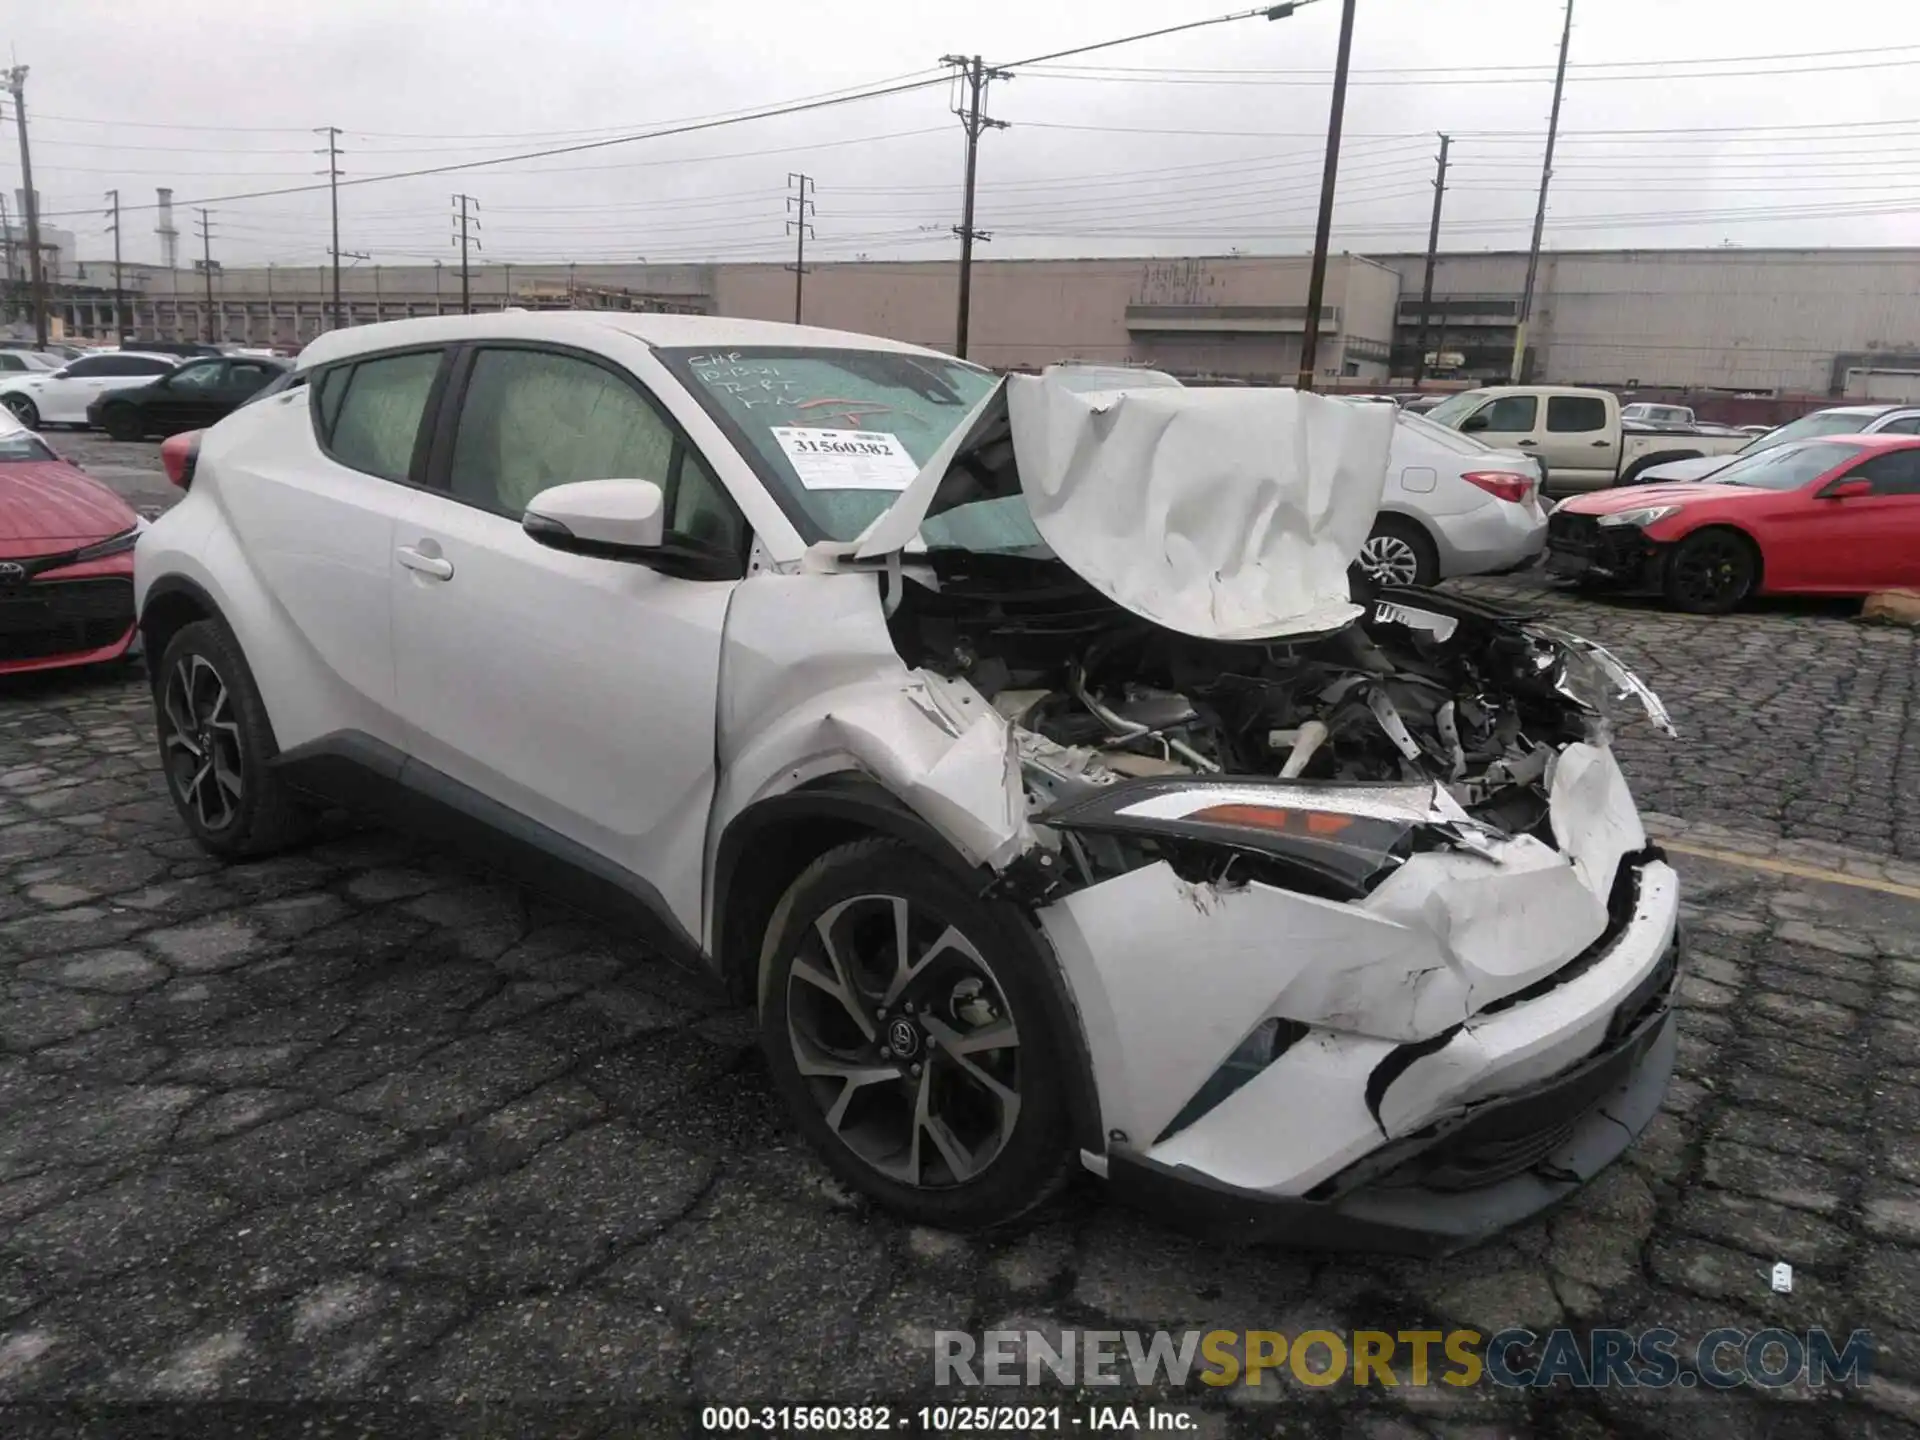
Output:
x,y
179,454
1501,484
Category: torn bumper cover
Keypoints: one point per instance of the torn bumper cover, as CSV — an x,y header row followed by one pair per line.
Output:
x,y
1415,1069
1510,1160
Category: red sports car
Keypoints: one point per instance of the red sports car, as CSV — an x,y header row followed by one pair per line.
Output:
x,y
1835,516
66,560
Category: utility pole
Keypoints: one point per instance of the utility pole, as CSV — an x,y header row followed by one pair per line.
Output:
x,y
206,266
467,223
1540,211
975,76
1433,252
13,288
113,228
1317,281
799,207
17,83
332,172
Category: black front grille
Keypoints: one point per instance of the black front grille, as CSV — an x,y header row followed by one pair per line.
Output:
x,y
1467,1165
1573,532
64,617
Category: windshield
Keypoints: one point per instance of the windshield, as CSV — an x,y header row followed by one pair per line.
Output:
x,y
1809,427
836,435
1787,467
1452,411
21,446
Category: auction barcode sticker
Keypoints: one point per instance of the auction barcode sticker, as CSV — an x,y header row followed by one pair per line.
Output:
x,y
847,459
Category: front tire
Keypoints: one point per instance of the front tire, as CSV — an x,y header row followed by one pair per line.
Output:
x,y
217,747
1711,572
24,410
1399,553
909,1028
122,422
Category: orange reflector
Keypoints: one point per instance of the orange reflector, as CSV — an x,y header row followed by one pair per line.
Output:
x,y
1269,817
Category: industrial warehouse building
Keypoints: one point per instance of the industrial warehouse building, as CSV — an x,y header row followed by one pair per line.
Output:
x,y
1804,322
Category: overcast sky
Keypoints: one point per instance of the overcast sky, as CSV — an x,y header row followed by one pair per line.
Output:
x,y
1196,143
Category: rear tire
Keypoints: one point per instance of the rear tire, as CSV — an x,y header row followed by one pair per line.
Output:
x,y
217,747
122,422
1400,553
1711,572
934,1083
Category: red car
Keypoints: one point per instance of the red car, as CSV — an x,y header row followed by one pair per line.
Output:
x,y
1835,516
66,561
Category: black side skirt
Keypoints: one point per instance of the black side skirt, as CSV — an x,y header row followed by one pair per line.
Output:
x,y
357,772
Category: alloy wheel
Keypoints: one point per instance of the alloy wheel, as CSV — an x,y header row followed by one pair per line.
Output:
x,y
1711,570
1390,560
202,742
23,410
905,1041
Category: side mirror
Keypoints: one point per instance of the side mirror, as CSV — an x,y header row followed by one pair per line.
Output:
x,y
1847,489
613,519
1472,423
62,374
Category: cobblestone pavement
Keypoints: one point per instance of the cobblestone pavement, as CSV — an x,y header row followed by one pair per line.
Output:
x,y
360,1128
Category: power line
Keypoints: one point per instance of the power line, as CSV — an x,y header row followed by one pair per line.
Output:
x,y
1466,76
661,134
1668,62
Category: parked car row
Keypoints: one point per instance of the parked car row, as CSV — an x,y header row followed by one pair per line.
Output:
x,y
133,394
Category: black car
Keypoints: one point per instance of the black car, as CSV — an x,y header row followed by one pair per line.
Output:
x,y
196,394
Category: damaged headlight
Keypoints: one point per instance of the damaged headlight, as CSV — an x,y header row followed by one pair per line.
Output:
x,y
1594,679
1341,852
1646,515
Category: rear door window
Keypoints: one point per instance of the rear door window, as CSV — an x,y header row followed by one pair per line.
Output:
x,y
376,417
1573,414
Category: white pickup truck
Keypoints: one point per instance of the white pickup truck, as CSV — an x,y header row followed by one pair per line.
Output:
x,y
1577,435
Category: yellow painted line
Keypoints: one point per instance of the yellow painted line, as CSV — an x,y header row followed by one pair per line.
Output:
x,y
1790,867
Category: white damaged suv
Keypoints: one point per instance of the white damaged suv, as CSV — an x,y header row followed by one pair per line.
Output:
x,y
1018,753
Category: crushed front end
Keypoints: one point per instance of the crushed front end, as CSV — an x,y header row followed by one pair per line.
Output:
x,y
1364,934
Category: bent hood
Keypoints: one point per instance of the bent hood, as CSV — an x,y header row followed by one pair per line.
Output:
x,y
1221,513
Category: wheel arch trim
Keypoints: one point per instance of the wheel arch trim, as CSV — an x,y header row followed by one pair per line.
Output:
x,y
856,806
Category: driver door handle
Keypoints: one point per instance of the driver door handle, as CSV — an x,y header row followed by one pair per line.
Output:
x,y
1601,444
432,566
1529,442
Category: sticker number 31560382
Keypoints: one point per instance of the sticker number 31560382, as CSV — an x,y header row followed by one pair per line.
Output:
x,y
846,459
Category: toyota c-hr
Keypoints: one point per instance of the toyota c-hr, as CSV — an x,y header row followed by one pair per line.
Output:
x,y
1016,750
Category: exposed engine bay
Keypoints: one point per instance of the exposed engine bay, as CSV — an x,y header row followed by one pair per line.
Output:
x,y
1430,688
